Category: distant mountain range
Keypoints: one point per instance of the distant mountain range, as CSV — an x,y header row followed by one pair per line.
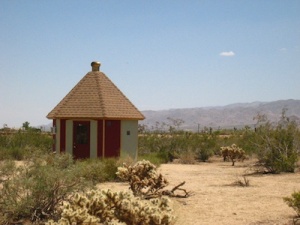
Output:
x,y
234,115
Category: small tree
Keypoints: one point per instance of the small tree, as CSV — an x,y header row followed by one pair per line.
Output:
x,y
26,125
233,153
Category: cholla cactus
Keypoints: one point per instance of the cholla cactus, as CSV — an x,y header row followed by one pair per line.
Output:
x,y
114,208
233,152
143,179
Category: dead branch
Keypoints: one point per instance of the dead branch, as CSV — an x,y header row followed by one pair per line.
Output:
x,y
177,188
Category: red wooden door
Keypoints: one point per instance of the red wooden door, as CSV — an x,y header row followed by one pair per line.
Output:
x,y
112,138
81,139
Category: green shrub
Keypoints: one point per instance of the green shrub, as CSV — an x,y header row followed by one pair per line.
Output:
x,y
4,153
34,189
22,144
97,170
203,154
170,146
278,146
294,202
154,158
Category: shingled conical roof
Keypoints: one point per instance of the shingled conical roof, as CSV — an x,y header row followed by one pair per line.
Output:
x,y
95,97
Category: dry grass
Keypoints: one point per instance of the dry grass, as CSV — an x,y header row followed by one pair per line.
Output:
x,y
216,201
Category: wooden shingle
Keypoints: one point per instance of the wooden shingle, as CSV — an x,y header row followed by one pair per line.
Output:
x,y
95,97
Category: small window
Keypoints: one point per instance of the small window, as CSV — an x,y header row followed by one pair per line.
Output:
x,y
82,134
128,132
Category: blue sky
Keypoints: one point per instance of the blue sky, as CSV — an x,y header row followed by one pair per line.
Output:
x,y
161,54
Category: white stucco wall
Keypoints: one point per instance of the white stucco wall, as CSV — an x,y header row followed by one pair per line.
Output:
x,y
129,138
57,135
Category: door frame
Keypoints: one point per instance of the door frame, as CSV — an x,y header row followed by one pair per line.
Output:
x,y
81,142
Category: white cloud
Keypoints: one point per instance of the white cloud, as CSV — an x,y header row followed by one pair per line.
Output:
x,y
231,53
283,49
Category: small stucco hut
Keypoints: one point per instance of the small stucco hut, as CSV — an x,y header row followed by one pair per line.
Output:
x,y
95,119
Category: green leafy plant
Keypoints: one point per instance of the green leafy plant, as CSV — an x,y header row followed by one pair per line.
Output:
x,y
97,170
294,202
278,145
174,145
33,190
22,144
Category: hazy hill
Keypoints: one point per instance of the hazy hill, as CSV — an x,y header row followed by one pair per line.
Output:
x,y
235,115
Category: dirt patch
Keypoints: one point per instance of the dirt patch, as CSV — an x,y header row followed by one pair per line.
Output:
x,y
215,200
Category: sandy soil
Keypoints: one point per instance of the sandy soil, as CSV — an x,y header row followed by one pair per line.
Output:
x,y
216,201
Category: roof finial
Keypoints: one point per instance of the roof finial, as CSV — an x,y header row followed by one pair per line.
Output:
x,y
95,66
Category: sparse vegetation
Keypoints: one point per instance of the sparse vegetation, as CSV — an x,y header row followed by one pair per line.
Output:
x,y
45,186
242,181
294,202
34,189
146,183
114,208
97,170
233,153
278,145
22,144
172,143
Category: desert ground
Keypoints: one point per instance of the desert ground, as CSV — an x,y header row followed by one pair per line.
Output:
x,y
215,199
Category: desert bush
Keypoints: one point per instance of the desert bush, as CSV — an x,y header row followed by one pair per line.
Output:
x,y
242,181
146,183
203,145
170,146
22,144
34,190
247,140
153,157
108,207
187,157
278,145
7,168
233,153
203,154
97,170
166,146
294,202
143,179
